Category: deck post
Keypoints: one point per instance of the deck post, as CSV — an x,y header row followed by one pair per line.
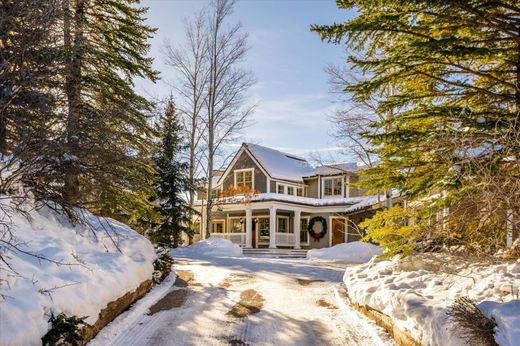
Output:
x,y
296,228
249,228
272,227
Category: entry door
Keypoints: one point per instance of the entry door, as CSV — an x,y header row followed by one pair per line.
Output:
x,y
338,231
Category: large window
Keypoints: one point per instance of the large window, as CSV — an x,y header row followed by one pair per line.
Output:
x,y
218,226
304,234
283,224
236,225
332,187
244,178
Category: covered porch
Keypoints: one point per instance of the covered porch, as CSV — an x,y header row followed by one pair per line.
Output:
x,y
271,225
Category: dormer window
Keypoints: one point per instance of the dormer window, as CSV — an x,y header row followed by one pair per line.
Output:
x,y
244,178
333,187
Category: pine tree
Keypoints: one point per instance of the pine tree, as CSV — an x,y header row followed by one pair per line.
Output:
x,y
454,133
174,184
101,155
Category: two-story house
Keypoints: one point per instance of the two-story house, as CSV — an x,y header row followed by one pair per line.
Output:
x,y
294,205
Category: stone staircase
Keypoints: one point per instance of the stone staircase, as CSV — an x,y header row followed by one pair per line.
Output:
x,y
275,253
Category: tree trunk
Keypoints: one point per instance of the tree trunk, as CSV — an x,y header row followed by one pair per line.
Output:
x,y
73,81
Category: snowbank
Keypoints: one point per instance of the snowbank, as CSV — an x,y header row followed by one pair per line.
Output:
x,y
356,251
92,272
507,317
418,291
211,247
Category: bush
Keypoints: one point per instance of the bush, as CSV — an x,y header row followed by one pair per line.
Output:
x,y
471,323
162,267
64,330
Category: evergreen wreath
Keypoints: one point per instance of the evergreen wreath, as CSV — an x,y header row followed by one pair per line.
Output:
x,y
310,228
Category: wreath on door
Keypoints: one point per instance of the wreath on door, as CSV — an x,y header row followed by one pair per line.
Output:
x,y
317,235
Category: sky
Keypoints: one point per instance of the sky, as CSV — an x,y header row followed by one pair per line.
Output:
x,y
287,59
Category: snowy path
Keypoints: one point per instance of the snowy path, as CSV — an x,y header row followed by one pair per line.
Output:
x,y
246,301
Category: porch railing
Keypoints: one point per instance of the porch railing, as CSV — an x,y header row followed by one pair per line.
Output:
x,y
237,238
285,239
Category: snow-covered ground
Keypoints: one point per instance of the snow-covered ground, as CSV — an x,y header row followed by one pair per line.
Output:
x,y
296,303
418,291
357,251
88,272
213,247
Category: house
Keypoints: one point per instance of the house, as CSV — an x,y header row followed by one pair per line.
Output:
x,y
284,202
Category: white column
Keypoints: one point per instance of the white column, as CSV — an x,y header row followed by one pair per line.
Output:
x,y
272,227
296,223
249,228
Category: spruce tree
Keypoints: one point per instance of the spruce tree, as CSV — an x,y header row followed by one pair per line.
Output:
x,y
174,183
453,137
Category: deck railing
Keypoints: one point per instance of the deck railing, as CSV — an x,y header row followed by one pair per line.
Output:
x,y
285,239
237,238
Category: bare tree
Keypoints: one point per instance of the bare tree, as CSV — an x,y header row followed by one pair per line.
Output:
x,y
226,102
190,62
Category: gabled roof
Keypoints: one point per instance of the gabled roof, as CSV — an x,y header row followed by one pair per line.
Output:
x,y
338,168
280,165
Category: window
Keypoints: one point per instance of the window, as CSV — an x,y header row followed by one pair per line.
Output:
x,y
244,178
218,226
280,189
262,228
304,234
332,187
299,191
290,190
215,193
236,225
283,224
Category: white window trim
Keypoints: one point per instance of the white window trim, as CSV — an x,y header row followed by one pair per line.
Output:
x,y
252,170
285,186
308,235
333,178
288,230
222,221
235,218
257,231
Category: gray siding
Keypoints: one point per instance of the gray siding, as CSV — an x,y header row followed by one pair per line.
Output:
x,y
245,161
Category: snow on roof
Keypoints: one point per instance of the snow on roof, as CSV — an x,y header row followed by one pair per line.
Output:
x,y
280,165
365,201
338,168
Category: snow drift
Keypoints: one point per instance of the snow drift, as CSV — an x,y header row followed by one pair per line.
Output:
x,y
91,271
418,291
356,251
211,247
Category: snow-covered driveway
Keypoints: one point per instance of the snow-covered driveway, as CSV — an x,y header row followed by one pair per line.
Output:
x,y
245,301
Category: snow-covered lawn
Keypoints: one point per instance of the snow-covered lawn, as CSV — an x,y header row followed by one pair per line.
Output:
x,y
358,252
213,247
418,291
295,304
91,271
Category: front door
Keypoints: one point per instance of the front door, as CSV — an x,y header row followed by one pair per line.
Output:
x,y
338,231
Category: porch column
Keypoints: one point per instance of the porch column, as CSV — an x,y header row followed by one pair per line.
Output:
x,y
346,229
296,228
272,227
249,228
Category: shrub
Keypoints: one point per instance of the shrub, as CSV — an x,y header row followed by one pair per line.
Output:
x,y
162,267
471,323
64,330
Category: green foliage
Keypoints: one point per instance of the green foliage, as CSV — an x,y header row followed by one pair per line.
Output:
x,y
445,76
173,184
389,229
64,330
162,267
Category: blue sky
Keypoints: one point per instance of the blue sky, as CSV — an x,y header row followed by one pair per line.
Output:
x,y
287,59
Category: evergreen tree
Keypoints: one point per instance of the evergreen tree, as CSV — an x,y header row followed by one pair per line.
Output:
x,y
174,183
454,71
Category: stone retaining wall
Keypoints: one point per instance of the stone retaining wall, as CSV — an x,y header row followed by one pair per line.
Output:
x,y
114,309
401,337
